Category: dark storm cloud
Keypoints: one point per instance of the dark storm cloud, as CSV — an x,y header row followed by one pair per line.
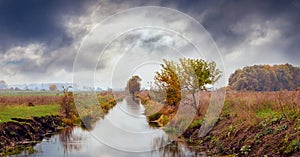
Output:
x,y
30,21
24,22
54,29
221,17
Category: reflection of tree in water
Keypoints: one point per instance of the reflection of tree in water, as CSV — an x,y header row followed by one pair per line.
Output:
x,y
130,100
163,147
133,105
89,122
69,141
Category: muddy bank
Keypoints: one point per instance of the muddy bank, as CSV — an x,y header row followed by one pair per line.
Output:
x,y
23,132
270,137
251,124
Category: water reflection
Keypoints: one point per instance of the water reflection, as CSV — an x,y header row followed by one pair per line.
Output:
x,y
70,141
173,149
89,122
124,131
133,107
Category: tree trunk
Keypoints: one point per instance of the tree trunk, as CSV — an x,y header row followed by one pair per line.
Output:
x,y
195,104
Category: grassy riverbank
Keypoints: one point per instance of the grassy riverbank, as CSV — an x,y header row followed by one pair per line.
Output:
x,y
21,111
251,124
26,104
91,110
26,118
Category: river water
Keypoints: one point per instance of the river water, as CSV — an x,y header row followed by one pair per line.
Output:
x,y
123,132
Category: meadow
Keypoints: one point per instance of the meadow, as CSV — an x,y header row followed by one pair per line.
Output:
x,y
20,111
251,124
26,104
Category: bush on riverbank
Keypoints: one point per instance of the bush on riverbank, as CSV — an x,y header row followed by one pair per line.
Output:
x,y
91,109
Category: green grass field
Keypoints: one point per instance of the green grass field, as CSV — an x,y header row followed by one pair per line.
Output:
x,y
18,111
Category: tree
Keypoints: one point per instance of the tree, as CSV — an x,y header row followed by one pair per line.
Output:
x,y
133,85
52,87
186,77
168,83
265,78
67,104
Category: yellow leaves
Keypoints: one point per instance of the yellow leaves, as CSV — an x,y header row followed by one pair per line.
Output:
x,y
189,76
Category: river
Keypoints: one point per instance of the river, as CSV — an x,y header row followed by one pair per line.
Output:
x,y
123,132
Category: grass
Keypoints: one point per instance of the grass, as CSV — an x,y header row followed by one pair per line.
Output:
x,y
266,121
251,123
20,111
27,93
266,113
18,104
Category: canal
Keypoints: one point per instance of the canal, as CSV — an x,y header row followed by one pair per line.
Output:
x,y
124,131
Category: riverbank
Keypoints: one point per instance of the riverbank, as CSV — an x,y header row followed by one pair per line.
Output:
x,y
251,124
21,132
24,111
26,120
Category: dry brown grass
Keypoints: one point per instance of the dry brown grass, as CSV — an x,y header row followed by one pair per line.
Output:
x,y
26,99
255,106
267,122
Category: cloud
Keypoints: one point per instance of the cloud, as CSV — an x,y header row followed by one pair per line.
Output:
x,y
41,38
25,22
28,57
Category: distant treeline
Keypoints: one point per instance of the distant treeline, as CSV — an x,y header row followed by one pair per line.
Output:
x,y
266,78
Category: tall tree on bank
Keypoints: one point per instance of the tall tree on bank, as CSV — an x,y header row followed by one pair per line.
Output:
x,y
186,77
133,85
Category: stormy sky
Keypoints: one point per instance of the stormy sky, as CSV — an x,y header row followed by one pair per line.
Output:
x,y
40,39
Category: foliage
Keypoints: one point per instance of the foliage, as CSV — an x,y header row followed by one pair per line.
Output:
x,y
257,119
196,123
68,107
266,78
188,76
167,81
52,87
154,117
133,85
294,145
251,124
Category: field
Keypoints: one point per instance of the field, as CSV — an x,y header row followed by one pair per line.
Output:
x,y
25,104
254,124
251,124
28,116
26,97
20,111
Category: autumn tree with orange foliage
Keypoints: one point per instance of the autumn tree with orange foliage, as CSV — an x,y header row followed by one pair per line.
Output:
x,y
265,78
187,77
